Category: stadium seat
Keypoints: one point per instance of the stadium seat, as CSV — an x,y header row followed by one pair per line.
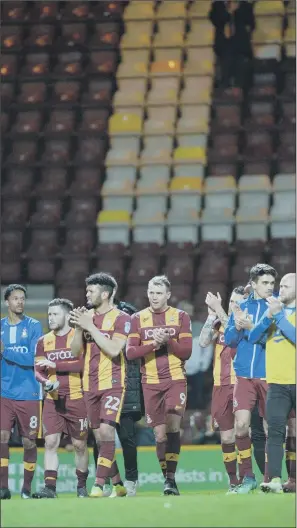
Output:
x,y
157,150
201,34
264,86
48,214
161,120
137,35
142,270
79,243
44,244
117,193
8,67
164,91
11,272
197,90
199,9
61,122
282,214
131,92
91,151
66,92
283,264
180,270
173,10
210,268
254,192
40,271
148,226
40,36
82,212
53,183
180,292
170,34
113,227
200,61
182,226
182,155
269,7
241,269
261,116
134,64
125,124
87,182
185,193
23,153
14,12
139,10
18,183
73,35
36,66
137,295
105,34
104,62
251,223
98,93
77,295
14,214
72,272
123,152
153,180
227,118
288,115
27,124
194,119
220,193
217,225
94,122
56,152
224,148
7,94
11,245
167,63
11,38
284,182
258,146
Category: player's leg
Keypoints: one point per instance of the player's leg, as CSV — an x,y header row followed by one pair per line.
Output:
x,y
223,419
76,423
290,485
244,400
175,404
278,407
154,404
111,402
127,435
7,418
258,438
28,418
53,427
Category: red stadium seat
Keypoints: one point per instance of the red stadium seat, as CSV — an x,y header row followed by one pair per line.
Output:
x,y
180,269
222,169
52,184
11,272
258,167
178,249
110,251
75,294
212,269
18,183
142,270
66,92
90,151
261,116
13,12
11,38
14,214
69,65
44,12
23,153
72,272
57,152
202,290
83,213
264,86
103,62
227,117
136,295
4,123
37,65
106,34
40,271
8,66
224,148
48,214
76,11
79,244
287,146
87,182
251,247
41,36
44,244
288,118
216,247
61,122
73,35
241,269
284,263
179,293
7,94
32,93
258,146
281,246
11,246
140,249
94,122
114,267
27,123
99,92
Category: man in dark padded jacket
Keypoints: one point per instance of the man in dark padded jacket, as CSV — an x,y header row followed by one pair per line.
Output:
x,y
131,413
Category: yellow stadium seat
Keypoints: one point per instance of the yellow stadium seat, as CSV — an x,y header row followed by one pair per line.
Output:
x,y
134,64
131,92
189,154
114,217
197,90
171,67
290,35
201,34
291,7
200,61
186,185
171,10
164,91
140,10
170,34
124,124
137,35
199,9
268,31
269,7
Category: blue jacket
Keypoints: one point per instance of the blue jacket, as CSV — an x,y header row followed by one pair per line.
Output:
x,y
260,331
249,361
18,344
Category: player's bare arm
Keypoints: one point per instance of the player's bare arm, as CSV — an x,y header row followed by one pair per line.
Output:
x,y
111,347
214,302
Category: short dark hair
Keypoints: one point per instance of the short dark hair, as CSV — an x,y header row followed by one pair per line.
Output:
x,y
239,290
126,307
13,287
105,280
66,304
261,269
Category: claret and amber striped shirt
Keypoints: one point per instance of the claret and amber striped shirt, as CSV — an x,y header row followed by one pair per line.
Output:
x,y
162,364
68,368
223,372
102,372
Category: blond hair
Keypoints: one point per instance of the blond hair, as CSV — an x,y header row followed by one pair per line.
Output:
x,y
160,280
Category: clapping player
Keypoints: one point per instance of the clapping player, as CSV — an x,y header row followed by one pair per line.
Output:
x,y
162,337
64,408
102,332
21,394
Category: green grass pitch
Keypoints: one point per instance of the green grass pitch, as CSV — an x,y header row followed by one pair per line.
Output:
x,y
153,510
